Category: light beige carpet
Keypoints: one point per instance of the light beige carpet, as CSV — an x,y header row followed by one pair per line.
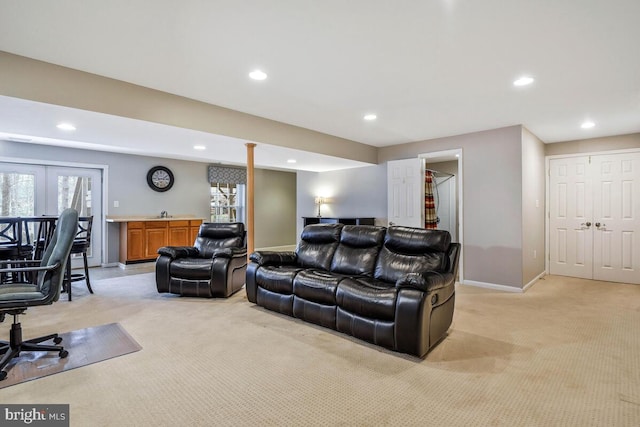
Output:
x,y
566,353
85,346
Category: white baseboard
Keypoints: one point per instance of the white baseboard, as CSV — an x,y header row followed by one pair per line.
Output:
x,y
134,265
110,264
504,288
278,248
535,279
493,286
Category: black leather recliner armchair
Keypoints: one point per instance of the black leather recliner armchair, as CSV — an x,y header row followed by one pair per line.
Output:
x,y
215,266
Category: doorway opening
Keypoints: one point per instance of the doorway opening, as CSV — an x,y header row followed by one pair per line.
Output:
x,y
448,191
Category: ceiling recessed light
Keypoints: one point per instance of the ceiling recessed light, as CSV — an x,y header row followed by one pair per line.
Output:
x,y
66,126
523,81
291,161
199,147
258,75
587,125
370,117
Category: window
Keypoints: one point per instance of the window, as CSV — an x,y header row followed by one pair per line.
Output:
x,y
227,202
17,194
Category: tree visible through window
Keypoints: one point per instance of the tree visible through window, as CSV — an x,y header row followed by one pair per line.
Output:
x,y
17,193
227,202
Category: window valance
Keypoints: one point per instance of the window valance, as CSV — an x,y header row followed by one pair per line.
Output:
x,y
228,174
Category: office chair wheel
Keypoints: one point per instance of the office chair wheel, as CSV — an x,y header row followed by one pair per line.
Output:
x,y
57,340
3,375
63,354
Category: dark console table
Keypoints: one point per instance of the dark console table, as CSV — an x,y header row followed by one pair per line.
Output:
x,y
347,221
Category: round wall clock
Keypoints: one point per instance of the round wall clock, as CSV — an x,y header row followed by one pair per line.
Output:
x,y
160,178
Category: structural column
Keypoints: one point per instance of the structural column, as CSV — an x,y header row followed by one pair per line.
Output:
x,y
250,199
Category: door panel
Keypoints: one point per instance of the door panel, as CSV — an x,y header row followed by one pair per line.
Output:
x,y
570,240
405,192
617,217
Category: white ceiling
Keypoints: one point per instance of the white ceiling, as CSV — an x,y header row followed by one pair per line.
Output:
x,y
427,68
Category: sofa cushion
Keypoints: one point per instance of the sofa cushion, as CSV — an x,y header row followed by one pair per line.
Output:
x,y
191,268
318,244
409,250
416,241
368,298
317,285
358,249
278,279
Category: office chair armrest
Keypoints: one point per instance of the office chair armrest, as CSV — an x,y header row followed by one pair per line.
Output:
x,y
22,262
34,268
174,252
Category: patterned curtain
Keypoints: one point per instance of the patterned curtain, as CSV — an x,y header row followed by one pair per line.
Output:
x,y
430,217
227,174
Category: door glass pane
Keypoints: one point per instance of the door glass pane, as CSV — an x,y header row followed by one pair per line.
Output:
x,y
17,194
74,192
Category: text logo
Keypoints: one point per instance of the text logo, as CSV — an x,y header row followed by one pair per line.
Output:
x,y
34,415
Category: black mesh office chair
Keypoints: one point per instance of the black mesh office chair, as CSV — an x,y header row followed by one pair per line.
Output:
x,y
40,287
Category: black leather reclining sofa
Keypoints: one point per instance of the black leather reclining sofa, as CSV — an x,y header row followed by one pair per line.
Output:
x,y
394,287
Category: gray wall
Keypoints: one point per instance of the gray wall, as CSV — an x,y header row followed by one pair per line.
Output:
x,y
594,145
275,208
533,207
190,194
492,200
359,192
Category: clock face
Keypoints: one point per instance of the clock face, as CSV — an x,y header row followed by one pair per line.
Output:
x,y
160,178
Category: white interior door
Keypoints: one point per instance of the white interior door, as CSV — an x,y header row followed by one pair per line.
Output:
x,y
616,214
570,218
594,209
405,192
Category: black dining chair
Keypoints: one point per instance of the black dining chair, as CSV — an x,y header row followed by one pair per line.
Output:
x,y
81,244
42,287
12,245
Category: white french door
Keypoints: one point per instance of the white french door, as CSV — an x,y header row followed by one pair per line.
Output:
x,y
594,217
34,190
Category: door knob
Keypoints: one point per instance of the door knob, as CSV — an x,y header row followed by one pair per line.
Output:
x,y
598,224
588,224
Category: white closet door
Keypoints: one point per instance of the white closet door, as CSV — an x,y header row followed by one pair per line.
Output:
x,y
616,215
570,218
594,217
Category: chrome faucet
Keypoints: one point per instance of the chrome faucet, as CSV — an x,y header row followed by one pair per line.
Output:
x,y
163,214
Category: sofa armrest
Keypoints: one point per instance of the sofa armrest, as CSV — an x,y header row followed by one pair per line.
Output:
x,y
230,253
174,252
273,258
427,281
